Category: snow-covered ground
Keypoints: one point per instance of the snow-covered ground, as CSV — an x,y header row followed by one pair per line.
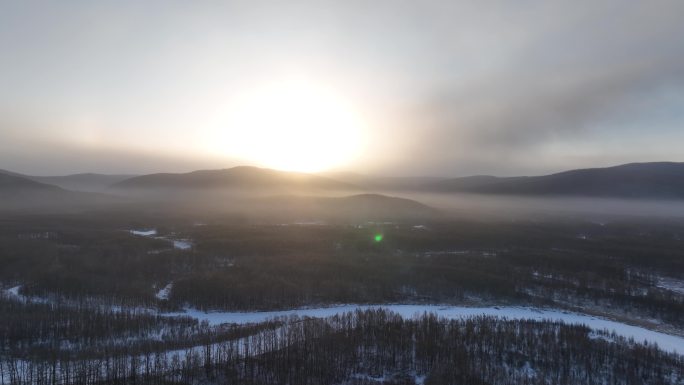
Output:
x,y
418,379
665,342
144,233
182,244
164,292
14,291
672,284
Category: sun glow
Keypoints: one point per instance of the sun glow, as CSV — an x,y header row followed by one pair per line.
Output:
x,y
292,125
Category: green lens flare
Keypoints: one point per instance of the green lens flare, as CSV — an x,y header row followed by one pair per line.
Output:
x,y
378,237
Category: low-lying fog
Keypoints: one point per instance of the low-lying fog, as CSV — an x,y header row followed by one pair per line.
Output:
x,y
350,206
517,206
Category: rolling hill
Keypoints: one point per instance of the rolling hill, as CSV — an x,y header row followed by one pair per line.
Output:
x,y
239,178
354,207
14,184
89,182
19,192
657,180
82,182
384,183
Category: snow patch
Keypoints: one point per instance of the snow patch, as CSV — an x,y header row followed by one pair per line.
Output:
x,y
13,292
144,233
163,294
182,244
672,284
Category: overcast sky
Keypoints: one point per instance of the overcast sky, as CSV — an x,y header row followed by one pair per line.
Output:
x,y
445,87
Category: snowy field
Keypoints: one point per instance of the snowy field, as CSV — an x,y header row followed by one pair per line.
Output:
x,y
665,342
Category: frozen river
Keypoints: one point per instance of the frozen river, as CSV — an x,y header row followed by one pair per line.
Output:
x,y
665,341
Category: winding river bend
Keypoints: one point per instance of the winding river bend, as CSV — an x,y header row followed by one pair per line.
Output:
x,y
665,341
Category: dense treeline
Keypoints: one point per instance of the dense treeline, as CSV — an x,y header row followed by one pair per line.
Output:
x,y
272,282
34,331
452,262
377,346
266,266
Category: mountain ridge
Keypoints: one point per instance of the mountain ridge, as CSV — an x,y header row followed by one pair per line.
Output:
x,y
87,182
657,180
631,180
244,177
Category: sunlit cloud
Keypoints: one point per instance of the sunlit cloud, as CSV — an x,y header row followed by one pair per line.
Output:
x,y
435,87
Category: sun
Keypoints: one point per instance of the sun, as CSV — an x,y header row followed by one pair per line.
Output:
x,y
292,125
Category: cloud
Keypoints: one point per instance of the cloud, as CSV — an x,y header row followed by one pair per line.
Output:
x,y
451,87
574,77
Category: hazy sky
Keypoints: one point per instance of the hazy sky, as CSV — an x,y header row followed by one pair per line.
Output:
x,y
431,87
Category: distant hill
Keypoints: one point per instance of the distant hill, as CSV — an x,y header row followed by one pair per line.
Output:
x,y
89,182
656,180
356,207
82,182
372,183
19,192
466,183
661,180
239,178
11,183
